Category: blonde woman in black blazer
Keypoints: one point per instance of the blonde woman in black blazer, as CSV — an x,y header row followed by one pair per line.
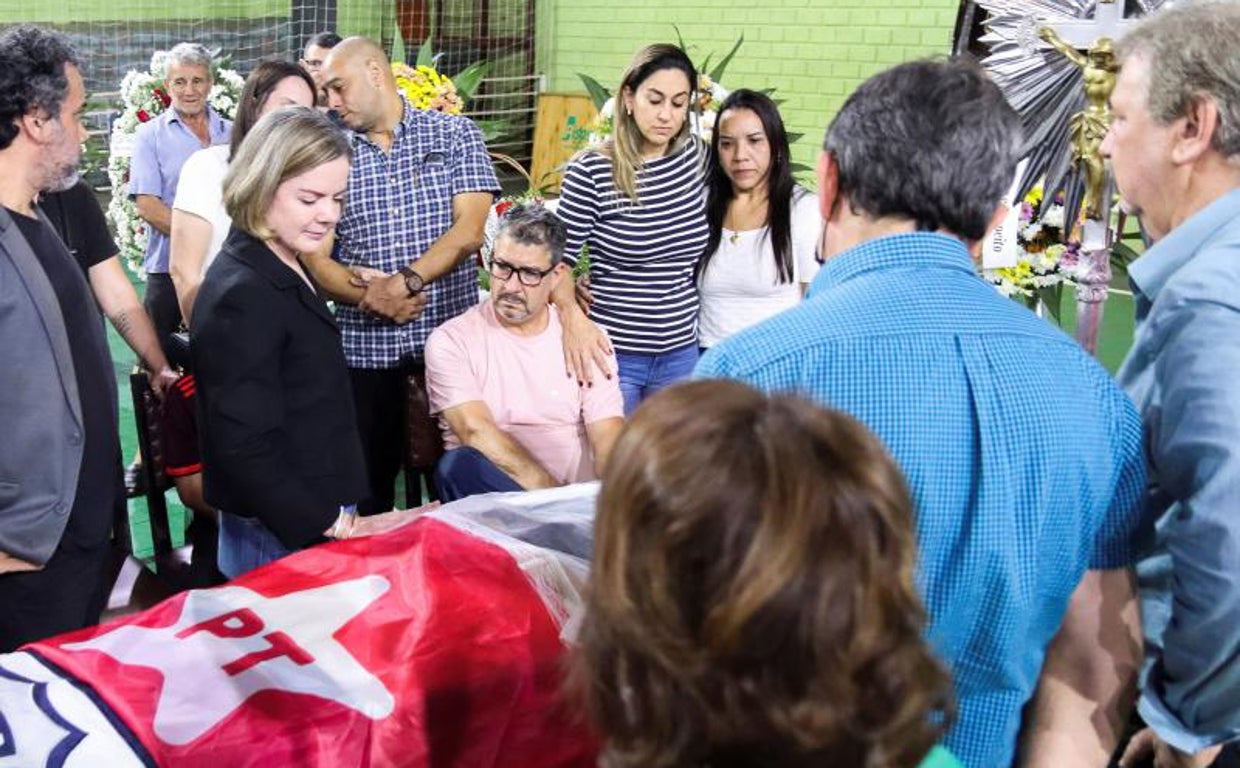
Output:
x,y
281,452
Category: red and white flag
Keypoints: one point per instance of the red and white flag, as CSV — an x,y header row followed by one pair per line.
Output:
x,y
437,644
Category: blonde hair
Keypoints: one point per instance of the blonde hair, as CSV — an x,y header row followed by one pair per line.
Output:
x,y
624,147
284,143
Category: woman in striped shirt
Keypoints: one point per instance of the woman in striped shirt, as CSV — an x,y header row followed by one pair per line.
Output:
x,y
637,203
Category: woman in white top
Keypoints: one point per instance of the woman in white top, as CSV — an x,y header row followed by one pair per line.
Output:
x,y
763,227
199,221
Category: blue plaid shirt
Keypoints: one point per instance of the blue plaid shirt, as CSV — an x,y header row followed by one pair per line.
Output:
x,y
399,203
1022,456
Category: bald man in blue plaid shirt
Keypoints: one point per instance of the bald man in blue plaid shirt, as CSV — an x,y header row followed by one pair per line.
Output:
x,y
420,189
1023,457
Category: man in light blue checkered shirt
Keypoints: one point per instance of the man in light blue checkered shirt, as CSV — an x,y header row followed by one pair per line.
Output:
x,y
420,188
1023,457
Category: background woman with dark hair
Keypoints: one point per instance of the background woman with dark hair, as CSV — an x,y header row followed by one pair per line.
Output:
x,y
636,201
768,619
764,228
199,221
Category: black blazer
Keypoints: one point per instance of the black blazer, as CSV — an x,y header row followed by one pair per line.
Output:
x,y
276,418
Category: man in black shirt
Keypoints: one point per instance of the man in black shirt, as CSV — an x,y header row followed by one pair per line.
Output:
x,y
60,475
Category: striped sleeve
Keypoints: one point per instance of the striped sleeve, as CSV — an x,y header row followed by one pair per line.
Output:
x,y
642,253
578,207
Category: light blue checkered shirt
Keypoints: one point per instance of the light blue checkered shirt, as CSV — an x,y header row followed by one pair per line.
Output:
x,y
399,202
1023,457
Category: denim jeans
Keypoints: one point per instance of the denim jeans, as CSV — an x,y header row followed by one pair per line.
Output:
x,y
465,471
642,375
245,544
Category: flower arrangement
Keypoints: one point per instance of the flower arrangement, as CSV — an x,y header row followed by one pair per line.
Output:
x,y
426,89
1048,258
142,99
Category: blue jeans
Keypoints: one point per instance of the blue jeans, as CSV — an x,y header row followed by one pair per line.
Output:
x,y
642,375
465,471
245,544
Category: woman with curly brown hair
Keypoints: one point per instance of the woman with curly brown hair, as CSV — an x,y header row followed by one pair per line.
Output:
x,y
751,599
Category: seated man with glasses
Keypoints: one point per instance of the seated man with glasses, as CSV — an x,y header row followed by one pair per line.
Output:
x,y
511,419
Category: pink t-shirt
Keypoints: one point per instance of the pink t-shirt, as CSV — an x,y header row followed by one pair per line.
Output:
x,y
521,379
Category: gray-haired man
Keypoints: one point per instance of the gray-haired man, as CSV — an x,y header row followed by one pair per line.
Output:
x,y
161,147
496,380
1024,542
1174,145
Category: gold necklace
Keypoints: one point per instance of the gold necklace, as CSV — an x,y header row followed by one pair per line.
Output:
x,y
736,234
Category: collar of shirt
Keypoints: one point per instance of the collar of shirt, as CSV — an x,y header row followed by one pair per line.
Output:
x,y
215,121
407,126
1158,265
913,250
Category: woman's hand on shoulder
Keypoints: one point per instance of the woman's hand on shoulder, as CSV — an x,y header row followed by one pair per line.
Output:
x,y
587,350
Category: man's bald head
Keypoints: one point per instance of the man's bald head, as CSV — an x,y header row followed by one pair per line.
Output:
x,y
359,84
358,50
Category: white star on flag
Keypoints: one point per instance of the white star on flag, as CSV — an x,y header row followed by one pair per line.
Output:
x,y
231,642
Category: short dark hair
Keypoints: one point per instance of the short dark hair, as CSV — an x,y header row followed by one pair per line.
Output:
x,y
751,598
32,75
933,141
532,223
323,40
258,86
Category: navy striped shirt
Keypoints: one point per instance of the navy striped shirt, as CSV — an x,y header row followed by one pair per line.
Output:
x,y
642,255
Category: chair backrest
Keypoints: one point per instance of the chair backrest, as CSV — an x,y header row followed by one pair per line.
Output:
x,y
146,411
423,441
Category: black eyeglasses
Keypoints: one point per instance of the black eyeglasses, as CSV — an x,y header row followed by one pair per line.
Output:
x,y
527,276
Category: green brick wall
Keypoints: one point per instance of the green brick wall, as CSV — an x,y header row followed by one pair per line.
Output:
x,y
813,51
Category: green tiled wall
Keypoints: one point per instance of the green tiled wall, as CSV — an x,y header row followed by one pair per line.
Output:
x,y
813,51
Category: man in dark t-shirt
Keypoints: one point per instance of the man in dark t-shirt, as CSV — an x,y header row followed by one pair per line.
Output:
x,y
60,478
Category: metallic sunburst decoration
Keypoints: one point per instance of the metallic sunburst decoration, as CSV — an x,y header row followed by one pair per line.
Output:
x,y
1042,84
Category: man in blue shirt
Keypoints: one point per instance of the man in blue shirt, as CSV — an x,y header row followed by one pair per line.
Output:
x,y
160,148
1022,456
1174,145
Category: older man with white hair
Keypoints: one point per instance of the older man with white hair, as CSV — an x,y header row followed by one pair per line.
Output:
x,y
161,147
1174,145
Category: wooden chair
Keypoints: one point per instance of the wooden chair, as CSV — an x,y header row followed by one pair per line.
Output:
x,y
423,441
150,445
139,584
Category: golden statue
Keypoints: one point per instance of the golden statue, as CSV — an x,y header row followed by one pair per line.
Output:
x,y
1089,126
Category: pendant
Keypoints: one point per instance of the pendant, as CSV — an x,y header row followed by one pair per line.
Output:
x,y
734,237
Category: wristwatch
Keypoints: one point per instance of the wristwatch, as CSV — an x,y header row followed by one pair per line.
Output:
x,y
413,281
